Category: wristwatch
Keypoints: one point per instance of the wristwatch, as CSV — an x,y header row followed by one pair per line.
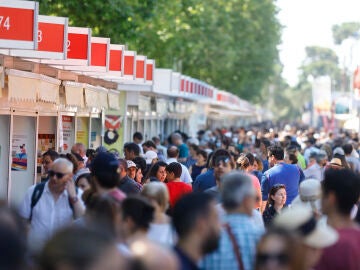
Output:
x,y
73,200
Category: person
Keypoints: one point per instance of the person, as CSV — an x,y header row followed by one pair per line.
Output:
x,y
131,151
157,172
80,248
137,139
196,222
316,168
136,216
162,150
309,196
280,173
275,203
340,154
177,140
279,249
341,191
160,228
83,181
310,148
50,205
13,253
314,235
239,236
222,165
192,158
173,154
244,165
353,162
126,184
206,179
105,178
199,165
131,169
79,148
48,159
140,169
175,187
151,146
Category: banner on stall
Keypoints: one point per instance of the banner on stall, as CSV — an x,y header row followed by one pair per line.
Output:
x,y
82,133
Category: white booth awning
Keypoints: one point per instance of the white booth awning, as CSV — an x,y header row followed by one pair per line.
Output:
x,y
48,89
113,98
74,94
22,85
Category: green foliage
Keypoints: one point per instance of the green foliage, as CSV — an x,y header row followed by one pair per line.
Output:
x,y
231,44
345,30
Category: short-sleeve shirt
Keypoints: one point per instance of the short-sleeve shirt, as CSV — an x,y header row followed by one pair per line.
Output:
x,y
177,190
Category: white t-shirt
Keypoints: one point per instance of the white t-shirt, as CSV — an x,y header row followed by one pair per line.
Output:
x,y
162,234
185,175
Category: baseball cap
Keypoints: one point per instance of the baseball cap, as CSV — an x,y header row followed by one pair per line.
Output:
x,y
104,162
130,164
149,156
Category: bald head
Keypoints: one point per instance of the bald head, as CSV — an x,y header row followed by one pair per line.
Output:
x,y
78,148
173,152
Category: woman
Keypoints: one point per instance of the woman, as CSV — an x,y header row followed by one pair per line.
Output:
x,y
157,172
160,228
279,249
83,181
275,203
140,169
243,164
200,165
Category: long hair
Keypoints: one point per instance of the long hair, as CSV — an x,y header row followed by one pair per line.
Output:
x,y
272,192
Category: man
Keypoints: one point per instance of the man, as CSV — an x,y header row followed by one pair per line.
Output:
x,y
310,147
48,159
341,191
137,139
55,206
175,187
173,154
353,162
79,148
196,222
177,140
222,166
280,173
207,180
316,166
131,151
126,185
239,236
105,176
131,169
162,150
192,158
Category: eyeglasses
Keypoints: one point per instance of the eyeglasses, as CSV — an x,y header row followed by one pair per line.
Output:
x,y
58,174
281,258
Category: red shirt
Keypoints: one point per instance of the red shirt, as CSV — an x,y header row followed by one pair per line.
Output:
x,y
344,254
177,190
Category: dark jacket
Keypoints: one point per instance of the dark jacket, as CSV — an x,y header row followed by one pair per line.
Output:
x,y
129,186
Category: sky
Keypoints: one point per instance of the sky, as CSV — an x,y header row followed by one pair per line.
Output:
x,y
308,23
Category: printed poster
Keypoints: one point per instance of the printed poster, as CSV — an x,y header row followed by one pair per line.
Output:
x,y
66,129
18,152
82,134
113,132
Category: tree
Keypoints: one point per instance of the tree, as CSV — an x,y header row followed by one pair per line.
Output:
x,y
344,31
231,44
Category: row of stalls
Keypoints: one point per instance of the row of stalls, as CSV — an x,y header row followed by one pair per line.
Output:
x,y
60,85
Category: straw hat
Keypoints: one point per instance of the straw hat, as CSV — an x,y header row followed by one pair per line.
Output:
x,y
336,162
309,195
302,221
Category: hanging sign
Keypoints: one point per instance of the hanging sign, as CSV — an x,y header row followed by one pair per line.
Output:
x,y
140,67
79,45
129,64
150,67
100,53
18,24
116,58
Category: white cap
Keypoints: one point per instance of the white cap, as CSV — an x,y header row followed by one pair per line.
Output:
x,y
149,156
130,164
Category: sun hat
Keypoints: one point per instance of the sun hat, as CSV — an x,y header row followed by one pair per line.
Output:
x,y
149,156
309,195
301,220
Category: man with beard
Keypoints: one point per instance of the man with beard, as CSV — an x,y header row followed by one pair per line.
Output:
x,y
239,236
196,221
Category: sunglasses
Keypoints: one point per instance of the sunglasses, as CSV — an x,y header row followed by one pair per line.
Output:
x,y
58,174
264,258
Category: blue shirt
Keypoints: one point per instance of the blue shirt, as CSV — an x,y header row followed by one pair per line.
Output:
x,y
204,181
282,173
183,151
247,236
185,262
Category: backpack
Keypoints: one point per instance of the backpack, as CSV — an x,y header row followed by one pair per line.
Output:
x,y
35,197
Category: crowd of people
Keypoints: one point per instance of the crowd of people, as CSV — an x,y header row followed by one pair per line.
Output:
x,y
257,198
